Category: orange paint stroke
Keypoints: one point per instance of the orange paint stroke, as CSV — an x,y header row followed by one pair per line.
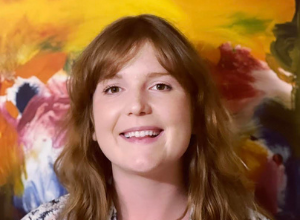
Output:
x,y
11,157
43,66
209,52
5,84
12,109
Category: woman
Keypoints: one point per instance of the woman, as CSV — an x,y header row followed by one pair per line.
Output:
x,y
148,137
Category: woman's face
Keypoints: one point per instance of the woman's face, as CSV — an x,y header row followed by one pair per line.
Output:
x,y
142,116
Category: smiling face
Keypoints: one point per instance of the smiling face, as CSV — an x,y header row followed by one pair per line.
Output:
x,y
142,116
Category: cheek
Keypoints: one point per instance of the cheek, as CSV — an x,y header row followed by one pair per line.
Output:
x,y
104,117
178,119
179,111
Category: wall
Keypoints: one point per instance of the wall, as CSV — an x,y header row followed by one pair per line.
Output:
x,y
252,48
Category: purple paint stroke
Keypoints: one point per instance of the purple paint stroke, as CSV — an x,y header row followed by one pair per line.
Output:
x,y
40,134
43,115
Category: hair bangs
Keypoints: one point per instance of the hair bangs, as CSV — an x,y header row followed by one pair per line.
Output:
x,y
121,42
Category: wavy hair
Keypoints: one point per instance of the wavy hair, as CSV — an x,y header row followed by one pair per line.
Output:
x,y
213,174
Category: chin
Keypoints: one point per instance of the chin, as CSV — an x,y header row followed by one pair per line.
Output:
x,y
140,167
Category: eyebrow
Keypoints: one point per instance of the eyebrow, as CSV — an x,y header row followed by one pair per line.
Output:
x,y
149,75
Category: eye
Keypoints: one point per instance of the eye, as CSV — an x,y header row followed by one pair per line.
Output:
x,y
162,86
111,90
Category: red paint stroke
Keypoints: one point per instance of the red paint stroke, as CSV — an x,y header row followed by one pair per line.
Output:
x,y
233,75
269,185
43,66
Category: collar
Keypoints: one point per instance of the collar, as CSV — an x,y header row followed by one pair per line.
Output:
x,y
113,213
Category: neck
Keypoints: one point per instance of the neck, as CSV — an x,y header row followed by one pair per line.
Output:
x,y
159,195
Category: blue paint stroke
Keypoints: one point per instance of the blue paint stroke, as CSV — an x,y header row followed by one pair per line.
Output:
x,y
43,187
279,130
23,96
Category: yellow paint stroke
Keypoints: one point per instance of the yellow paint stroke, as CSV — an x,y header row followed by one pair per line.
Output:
x,y
43,66
211,20
20,40
12,160
69,24
29,26
254,156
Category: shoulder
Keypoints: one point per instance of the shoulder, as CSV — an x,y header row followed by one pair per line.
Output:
x,y
47,211
254,215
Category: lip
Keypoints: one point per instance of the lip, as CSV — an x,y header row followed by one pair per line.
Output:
x,y
142,128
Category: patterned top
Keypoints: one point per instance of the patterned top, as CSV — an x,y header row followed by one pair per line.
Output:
x,y
50,210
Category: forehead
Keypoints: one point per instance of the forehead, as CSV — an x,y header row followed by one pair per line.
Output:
x,y
144,61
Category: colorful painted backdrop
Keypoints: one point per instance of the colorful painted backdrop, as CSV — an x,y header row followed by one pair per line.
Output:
x,y
251,46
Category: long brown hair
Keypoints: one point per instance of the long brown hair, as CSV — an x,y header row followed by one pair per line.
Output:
x,y
213,173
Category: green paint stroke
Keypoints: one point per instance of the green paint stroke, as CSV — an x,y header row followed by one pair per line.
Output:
x,y
71,58
248,25
51,45
286,47
286,50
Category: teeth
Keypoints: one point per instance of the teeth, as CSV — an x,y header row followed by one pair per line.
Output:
x,y
140,134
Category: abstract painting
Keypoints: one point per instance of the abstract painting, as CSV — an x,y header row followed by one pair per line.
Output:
x,y
251,47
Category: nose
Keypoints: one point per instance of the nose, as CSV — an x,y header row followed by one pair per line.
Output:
x,y
139,104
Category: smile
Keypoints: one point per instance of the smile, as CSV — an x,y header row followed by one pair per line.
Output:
x,y
142,135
